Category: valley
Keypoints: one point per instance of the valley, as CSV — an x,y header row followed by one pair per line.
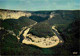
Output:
x,y
26,32
41,42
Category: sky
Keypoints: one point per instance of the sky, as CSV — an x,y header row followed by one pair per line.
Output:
x,y
36,5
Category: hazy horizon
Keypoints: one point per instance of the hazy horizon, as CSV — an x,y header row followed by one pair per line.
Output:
x,y
40,5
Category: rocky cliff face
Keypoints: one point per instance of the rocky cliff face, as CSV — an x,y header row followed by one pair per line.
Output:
x,y
6,14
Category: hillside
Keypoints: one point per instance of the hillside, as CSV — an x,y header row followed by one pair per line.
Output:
x,y
39,24
42,29
70,34
8,14
39,18
16,24
59,18
64,17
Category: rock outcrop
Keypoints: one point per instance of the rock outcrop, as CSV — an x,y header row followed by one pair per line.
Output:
x,y
8,14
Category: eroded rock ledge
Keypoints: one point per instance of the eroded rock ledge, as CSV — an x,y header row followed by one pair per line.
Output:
x,y
12,14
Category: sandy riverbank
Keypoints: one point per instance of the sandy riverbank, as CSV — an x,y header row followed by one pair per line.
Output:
x,y
40,42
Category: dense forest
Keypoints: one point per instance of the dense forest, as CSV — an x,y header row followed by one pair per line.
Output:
x,y
10,45
42,29
67,23
16,24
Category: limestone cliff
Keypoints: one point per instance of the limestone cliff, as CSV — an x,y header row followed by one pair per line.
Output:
x,y
8,14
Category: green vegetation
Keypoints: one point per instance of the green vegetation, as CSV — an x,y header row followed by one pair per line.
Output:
x,y
0,16
42,29
39,18
16,24
70,35
58,19
1,22
9,45
66,22
42,12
